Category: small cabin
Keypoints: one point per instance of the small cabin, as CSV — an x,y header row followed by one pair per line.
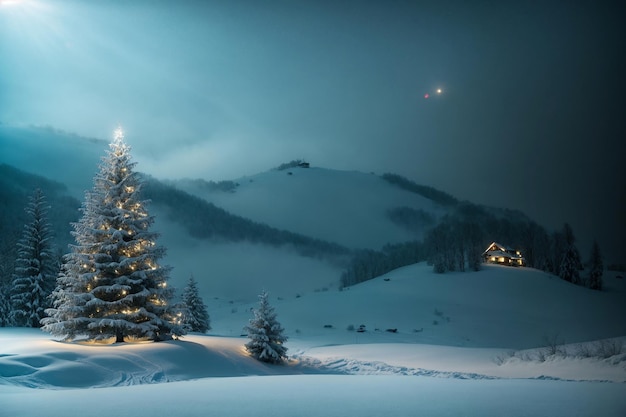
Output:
x,y
503,255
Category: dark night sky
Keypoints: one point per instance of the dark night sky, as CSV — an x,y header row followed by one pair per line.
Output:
x,y
531,116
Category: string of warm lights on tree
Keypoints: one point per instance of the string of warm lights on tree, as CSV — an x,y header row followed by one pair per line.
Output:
x,y
112,285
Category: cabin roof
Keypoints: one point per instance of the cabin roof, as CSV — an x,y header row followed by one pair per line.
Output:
x,y
500,247
502,251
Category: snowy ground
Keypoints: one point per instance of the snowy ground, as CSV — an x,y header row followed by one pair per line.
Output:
x,y
204,374
326,396
433,370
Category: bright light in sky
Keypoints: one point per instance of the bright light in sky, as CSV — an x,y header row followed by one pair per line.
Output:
x,y
9,2
438,91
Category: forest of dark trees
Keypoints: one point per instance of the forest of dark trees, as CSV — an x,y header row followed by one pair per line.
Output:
x,y
431,193
457,241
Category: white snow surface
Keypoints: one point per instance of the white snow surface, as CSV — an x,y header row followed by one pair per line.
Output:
x,y
332,371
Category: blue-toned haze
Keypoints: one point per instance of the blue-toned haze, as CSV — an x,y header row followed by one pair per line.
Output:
x,y
531,114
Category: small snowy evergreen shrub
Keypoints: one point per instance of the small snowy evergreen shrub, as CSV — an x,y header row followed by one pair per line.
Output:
x,y
196,316
266,334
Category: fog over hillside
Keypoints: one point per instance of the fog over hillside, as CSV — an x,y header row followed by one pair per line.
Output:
x,y
300,207
322,220
350,208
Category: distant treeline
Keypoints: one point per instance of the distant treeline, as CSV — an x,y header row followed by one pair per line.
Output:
x,y
210,186
414,220
431,193
291,164
458,240
368,264
204,220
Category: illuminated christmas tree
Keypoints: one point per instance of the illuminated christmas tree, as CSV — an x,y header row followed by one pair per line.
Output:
x,y
111,287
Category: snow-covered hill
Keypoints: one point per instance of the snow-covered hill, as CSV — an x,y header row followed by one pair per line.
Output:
x,y
412,318
60,156
240,270
472,354
500,306
347,207
344,207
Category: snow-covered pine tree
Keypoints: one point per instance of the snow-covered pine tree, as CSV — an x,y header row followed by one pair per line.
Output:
x,y
440,248
596,267
196,316
266,334
570,262
111,287
36,266
568,269
5,306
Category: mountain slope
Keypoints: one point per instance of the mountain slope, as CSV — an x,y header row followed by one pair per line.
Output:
x,y
204,220
201,239
298,223
57,155
234,253
350,208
